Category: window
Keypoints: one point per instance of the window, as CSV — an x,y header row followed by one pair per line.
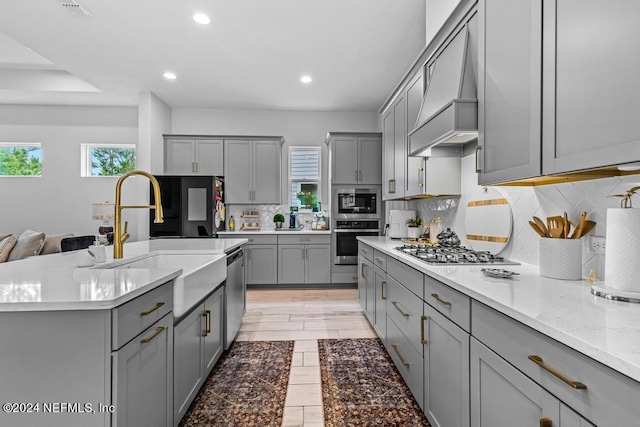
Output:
x,y
108,159
20,159
304,177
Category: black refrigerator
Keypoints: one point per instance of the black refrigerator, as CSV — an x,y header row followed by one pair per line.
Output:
x,y
193,206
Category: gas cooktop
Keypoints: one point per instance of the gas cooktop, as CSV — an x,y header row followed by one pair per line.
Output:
x,y
456,255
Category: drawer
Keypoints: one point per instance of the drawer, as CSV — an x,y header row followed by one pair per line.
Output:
x,y
365,251
410,278
406,310
453,304
408,361
133,317
380,259
610,398
258,240
304,239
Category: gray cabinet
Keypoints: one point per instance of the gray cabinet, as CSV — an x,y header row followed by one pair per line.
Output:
x,y
193,156
415,166
261,264
591,92
388,155
366,291
509,88
291,263
395,149
304,259
197,347
318,264
380,313
356,158
252,171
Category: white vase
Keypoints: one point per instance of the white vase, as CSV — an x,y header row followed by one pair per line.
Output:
x,y
414,232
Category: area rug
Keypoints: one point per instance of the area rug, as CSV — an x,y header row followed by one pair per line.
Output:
x,y
247,387
362,387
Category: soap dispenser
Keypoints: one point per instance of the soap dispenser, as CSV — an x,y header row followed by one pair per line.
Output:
x,y
293,217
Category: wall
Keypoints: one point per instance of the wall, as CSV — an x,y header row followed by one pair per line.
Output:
x,y
594,197
60,200
299,128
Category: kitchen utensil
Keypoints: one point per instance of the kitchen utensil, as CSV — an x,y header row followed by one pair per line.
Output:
x,y
588,226
537,229
579,230
555,224
542,227
566,226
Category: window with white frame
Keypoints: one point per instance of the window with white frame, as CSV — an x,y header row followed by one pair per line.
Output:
x,y
107,159
304,177
20,159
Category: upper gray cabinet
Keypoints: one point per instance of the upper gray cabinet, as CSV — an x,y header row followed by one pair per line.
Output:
x,y
415,166
591,95
394,146
193,156
356,158
510,61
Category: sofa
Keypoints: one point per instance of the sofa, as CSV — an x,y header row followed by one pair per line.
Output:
x,y
29,243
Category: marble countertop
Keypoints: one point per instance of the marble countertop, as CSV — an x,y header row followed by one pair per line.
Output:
x,y
53,282
607,331
273,231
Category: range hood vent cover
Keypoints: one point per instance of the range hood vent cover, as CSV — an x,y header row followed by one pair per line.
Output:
x,y
449,111
74,8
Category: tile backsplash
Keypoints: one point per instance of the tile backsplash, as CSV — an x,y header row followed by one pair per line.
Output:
x,y
594,197
266,213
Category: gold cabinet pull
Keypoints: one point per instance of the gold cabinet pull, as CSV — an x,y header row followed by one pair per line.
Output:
x,y
422,319
205,332
440,300
362,266
208,313
546,422
382,295
394,186
395,348
395,304
478,149
146,313
158,331
573,384
420,183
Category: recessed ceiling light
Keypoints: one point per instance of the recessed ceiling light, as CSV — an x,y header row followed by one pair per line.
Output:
x,y
169,76
201,18
306,79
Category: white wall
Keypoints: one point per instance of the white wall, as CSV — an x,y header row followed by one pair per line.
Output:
x,y
437,12
60,200
299,128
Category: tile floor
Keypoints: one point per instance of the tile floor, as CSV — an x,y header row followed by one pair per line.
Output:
x,y
304,316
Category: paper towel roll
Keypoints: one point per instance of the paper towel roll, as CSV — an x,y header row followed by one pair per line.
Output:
x,y
622,257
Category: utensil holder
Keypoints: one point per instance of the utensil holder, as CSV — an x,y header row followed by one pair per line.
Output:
x,y
561,258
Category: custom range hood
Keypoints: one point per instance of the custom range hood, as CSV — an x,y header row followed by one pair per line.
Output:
x,y
449,111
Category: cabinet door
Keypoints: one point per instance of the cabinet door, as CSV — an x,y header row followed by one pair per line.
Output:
x,y
591,92
214,321
262,264
388,155
318,264
415,165
501,396
400,145
370,160
266,172
345,160
291,260
380,290
143,378
509,87
446,371
209,158
237,171
179,157
187,360
362,283
369,277
570,418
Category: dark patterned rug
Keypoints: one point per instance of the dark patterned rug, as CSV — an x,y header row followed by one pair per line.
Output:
x,y
247,387
362,387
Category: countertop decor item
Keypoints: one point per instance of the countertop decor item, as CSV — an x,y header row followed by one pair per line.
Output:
x,y
498,272
488,220
415,227
278,219
561,258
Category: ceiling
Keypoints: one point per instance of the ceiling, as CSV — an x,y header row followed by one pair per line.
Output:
x,y
251,56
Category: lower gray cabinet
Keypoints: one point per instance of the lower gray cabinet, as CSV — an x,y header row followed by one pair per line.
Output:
x,y
198,344
304,263
406,358
142,380
362,283
366,291
261,264
380,316
446,370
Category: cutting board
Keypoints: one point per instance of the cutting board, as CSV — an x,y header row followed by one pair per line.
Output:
x,y
488,220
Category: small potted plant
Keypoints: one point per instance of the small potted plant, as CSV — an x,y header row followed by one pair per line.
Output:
x,y
414,227
278,219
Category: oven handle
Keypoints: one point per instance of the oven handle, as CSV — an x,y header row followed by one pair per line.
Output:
x,y
356,230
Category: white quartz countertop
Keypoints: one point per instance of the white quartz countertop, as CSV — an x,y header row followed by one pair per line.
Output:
x,y
272,231
53,282
607,331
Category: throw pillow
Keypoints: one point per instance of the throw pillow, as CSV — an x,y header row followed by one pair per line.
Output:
x,y
6,245
52,243
29,244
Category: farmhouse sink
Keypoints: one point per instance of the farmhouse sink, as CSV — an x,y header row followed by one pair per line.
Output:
x,y
200,274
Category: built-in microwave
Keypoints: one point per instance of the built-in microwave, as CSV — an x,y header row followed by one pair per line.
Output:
x,y
356,203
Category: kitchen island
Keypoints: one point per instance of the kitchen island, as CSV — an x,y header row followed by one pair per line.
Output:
x,y
508,331
94,346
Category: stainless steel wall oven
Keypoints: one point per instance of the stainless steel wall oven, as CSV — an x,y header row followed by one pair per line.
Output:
x,y
345,245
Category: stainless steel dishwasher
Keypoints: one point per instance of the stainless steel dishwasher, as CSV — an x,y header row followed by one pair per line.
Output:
x,y
234,295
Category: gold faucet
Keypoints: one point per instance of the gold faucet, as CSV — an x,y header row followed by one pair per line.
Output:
x,y
119,238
